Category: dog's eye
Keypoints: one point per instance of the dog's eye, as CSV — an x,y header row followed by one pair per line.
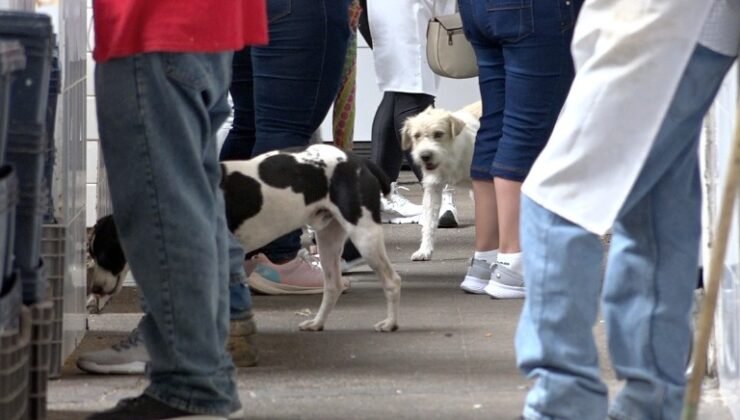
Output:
x,y
438,134
417,135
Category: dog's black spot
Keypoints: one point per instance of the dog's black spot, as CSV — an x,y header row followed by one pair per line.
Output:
x,y
343,191
243,197
105,247
284,171
354,186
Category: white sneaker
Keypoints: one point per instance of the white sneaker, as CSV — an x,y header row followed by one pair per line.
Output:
x,y
448,211
128,357
397,206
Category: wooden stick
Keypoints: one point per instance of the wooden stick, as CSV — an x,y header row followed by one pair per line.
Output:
x,y
711,285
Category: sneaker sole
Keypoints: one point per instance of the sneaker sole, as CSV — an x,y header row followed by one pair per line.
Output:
x,y
132,368
504,291
474,285
402,220
262,285
448,220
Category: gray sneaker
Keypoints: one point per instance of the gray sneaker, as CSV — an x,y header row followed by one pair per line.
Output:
x,y
505,284
477,277
128,357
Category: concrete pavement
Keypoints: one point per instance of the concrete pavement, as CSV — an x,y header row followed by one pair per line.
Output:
x,y
453,357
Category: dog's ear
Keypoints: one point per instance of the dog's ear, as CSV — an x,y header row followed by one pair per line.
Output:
x,y
406,141
456,125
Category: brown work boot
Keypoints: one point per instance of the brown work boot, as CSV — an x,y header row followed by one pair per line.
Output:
x,y
241,342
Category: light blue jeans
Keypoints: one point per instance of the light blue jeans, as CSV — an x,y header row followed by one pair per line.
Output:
x,y
158,115
647,293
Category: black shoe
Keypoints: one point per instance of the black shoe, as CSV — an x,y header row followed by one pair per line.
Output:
x,y
145,407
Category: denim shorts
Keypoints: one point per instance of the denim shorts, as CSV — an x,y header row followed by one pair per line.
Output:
x,y
525,71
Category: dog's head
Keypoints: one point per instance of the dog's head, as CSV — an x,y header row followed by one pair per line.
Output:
x,y
110,267
431,136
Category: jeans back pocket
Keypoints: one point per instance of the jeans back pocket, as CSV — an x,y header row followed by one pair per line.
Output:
x,y
510,20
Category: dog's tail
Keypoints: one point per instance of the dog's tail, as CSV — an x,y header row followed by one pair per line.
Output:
x,y
385,182
475,109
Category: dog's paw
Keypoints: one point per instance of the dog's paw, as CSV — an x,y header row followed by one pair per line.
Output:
x,y
421,255
311,325
386,325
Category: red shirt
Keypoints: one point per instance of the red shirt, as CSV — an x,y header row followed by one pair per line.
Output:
x,y
128,27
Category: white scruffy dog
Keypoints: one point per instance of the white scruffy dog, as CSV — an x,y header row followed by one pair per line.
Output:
x,y
442,145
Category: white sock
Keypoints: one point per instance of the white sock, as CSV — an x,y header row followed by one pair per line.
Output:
x,y
487,256
511,261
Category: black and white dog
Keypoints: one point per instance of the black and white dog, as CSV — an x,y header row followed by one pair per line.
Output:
x,y
336,193
110,268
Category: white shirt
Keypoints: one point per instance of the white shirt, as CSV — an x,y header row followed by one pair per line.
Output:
x,y
629,56
398,29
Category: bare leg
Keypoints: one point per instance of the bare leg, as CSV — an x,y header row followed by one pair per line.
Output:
x,y
507,200
486,216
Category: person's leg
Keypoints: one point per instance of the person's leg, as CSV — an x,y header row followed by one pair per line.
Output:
x,y
382,135
240,140
562,260
240,302
296,78
538,73
491,80
163,177
554,340
651,273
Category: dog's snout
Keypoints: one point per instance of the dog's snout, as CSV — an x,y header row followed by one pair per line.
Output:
x,y
425,156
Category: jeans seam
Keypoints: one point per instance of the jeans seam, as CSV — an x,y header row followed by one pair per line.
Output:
x,y
540,298
654,300
151,186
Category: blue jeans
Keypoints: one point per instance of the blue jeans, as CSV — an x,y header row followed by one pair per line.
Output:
x,y
283,91
158,115
525,71
647,292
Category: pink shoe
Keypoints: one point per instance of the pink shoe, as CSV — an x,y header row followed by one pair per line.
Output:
x,y
300,276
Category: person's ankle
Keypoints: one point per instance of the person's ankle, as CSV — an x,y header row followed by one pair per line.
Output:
x,y
240,302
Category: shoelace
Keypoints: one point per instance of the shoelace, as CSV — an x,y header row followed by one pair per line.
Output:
x,y
313,261
132,340
396,199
